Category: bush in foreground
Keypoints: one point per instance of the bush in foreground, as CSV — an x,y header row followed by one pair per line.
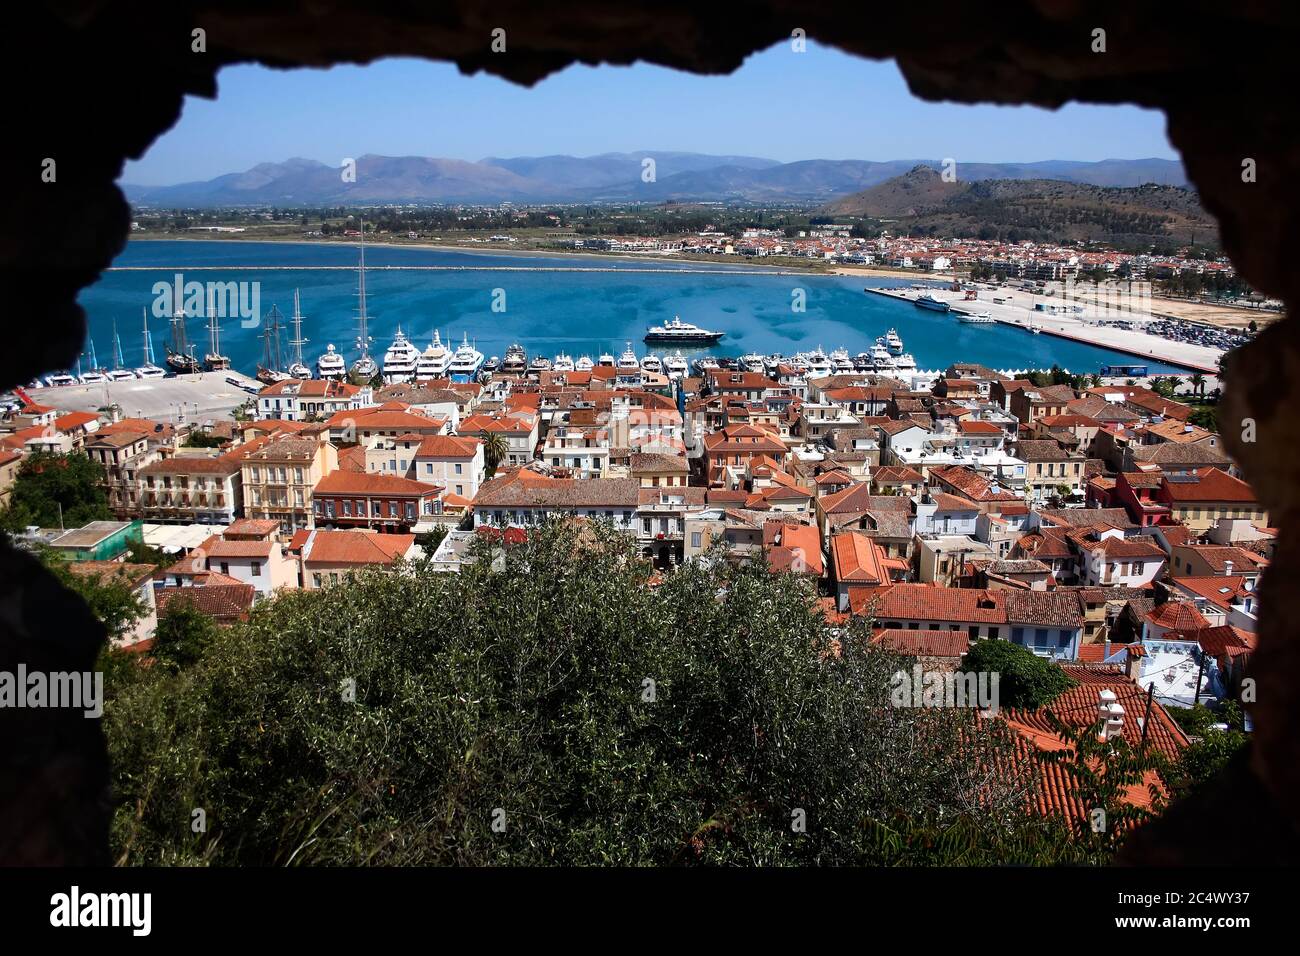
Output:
x,y
556,711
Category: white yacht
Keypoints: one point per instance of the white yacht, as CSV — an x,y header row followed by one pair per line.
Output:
x,y
880,356
652,363
119,372
841,362
799,362
627,361
676,365
59,379
434,360
466,363
149,369
584,364
563,363
976,318
539,364
675,330
893,342
94,377
751,362
773,362
862,362
400,359
819,366
706,363
331,365
931,302
606,360
516,360
905,362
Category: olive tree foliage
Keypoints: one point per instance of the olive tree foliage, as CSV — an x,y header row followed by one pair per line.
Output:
x,y
557,707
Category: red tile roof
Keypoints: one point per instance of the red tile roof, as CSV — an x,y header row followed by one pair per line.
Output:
x,y
1211,484
355,547
858,560
924,602
1178,616
346,483
923,643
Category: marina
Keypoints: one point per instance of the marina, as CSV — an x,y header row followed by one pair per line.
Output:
x,y
568,311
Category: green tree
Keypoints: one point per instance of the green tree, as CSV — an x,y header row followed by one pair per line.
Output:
x,y
1025,680
551,708
110,597
1205,416
183,635
137,552
494,451
1198,383
49,488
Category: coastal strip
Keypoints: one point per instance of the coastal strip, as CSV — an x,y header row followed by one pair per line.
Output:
x,y
1129,341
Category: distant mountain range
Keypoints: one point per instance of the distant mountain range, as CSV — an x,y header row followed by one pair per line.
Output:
x,y
610,177
920,202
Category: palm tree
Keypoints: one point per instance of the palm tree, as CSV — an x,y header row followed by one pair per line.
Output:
x,y
494,451
1173,383
1198,383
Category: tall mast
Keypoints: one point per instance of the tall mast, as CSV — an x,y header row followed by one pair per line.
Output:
x,y
180,343
94,359
273,359
297,341
363,338
118,360
214,332
148,339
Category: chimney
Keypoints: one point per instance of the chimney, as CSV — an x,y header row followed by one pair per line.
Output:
x,y
1133,663
1227,568
1110,713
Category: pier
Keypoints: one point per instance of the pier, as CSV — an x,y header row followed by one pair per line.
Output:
x,y
194,398
1197,358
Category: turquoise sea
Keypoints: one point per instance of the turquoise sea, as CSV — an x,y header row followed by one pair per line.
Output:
x,y
548,312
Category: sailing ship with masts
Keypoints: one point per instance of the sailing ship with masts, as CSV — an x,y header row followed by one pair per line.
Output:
x,y
149,369
180,353
119,372
365,368
271,369
214,361
298,368
94,375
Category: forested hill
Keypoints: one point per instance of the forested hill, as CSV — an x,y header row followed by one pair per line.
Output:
x,y
920,202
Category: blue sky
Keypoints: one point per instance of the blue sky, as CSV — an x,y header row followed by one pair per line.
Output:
x,y
820,104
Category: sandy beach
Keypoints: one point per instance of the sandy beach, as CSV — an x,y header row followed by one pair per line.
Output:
x,y
885,272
